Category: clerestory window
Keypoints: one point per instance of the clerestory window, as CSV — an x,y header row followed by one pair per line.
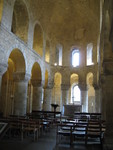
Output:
x,y
75,58
89,54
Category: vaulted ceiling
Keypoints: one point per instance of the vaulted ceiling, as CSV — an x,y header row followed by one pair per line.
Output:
x,y
76,22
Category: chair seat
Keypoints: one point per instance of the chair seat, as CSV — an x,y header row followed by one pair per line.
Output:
x,y
80,133
64,132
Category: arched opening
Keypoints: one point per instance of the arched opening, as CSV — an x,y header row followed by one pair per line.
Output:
x,y
38,40
89,54
75,57
75,95
57,89
36,80
20,20
1,9
58,55
91,93
36,72
47,52
8,84
17,57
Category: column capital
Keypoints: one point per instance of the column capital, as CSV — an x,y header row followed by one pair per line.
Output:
x,y
3,68
65,86
21,76
36,82
83,86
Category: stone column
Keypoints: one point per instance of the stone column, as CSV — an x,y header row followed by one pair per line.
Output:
x,y
20,93
37,95
103,97
47,97
108,82
108,141
97,98
64,96
84,96
3,68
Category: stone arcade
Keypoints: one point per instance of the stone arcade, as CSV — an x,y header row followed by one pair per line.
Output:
x,y
57,52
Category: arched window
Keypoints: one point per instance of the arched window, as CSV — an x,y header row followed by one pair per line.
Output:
x,y
47,52
89,54
75,58
75,95
20,20
58,55
38,40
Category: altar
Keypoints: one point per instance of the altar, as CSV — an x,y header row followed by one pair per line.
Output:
x,y
70,109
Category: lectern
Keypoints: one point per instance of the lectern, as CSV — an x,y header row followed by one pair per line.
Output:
x,y
54,107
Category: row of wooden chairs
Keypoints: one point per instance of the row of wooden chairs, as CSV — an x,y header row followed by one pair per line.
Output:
x,y
25,125
86,131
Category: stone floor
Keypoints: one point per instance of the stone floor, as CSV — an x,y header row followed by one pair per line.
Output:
x,y
47,141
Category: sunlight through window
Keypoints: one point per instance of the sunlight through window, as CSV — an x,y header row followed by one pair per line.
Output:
x,y
75,58
76,94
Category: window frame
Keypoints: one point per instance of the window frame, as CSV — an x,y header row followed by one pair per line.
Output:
x,y
75,50
72,95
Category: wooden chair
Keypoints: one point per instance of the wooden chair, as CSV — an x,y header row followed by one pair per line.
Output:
x,y
79,132
93,132
63,130
28,127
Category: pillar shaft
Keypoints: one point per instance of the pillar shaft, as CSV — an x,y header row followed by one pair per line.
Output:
x,y
3,68
20,94
84,97
108,81
103,97
37,98
37,94
108,142
97,99
47,99
64,95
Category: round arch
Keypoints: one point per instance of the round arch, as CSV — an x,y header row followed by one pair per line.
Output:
x,y
36,73
16,63
47,51
74,92
91,92
19,61
20,20
57,78
38,39
58,54
89,78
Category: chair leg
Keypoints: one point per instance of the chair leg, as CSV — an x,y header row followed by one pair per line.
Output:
x,y
86,140
22,134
